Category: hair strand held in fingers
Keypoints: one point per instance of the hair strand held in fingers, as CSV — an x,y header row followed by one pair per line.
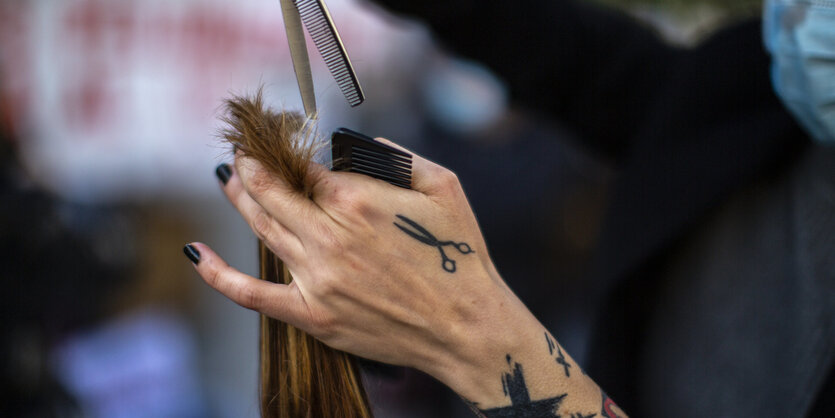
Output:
x,y
300,376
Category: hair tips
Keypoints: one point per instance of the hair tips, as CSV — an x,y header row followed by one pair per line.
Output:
x,y
300,376
283,142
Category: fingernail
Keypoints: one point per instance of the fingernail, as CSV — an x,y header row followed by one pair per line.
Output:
x,y
192,253
224,173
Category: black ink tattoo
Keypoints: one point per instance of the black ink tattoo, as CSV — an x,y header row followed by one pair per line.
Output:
x,y
560,356
426,237
561,360
514,385
550,342
521,405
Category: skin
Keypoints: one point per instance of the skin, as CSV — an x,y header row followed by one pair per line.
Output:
x,y
364,286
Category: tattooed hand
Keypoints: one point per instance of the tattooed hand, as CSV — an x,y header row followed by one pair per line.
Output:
x,y
395,275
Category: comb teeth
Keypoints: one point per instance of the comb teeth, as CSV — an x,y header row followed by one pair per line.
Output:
x,y
320,26
357,153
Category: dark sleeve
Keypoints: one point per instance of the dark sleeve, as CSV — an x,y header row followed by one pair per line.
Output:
x,y
593,69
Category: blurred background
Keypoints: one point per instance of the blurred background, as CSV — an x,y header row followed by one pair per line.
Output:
x,y
108,126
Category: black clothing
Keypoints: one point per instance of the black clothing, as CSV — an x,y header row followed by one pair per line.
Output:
x,y
688,130
742,311
685,127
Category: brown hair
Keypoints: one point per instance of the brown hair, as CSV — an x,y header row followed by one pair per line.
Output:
x,y
300,376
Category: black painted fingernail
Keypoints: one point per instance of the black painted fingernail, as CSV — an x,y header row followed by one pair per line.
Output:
x,y
224,173
192,253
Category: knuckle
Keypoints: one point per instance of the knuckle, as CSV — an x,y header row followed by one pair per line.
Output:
x,y
248,297
214,277
448,180
349,199
258,183
261,225
337,195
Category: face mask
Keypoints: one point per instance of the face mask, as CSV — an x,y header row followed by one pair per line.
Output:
x,y
800,35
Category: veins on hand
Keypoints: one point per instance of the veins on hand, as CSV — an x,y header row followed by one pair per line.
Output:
x,y
418,232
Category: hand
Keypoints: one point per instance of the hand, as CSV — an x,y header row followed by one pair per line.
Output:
x,y
364,284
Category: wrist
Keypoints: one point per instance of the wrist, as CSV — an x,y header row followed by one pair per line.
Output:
x,y
500,359
478,348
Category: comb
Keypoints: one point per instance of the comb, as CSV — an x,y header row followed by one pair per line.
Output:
x,y
317,20
358,153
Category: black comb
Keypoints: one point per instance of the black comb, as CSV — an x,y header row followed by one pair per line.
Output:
x,y
358,153
317,20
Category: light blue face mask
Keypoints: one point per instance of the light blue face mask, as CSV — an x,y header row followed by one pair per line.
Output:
x,y
800,35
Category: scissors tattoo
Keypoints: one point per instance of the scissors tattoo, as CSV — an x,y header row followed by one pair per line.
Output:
x,y
423,235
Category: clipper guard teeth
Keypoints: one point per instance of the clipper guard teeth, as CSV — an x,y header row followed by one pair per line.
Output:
x,y
358,153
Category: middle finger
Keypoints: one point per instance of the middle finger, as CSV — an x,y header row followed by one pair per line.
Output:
x,y
284,243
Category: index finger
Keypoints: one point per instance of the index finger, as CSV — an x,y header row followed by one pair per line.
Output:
x,y
427,176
